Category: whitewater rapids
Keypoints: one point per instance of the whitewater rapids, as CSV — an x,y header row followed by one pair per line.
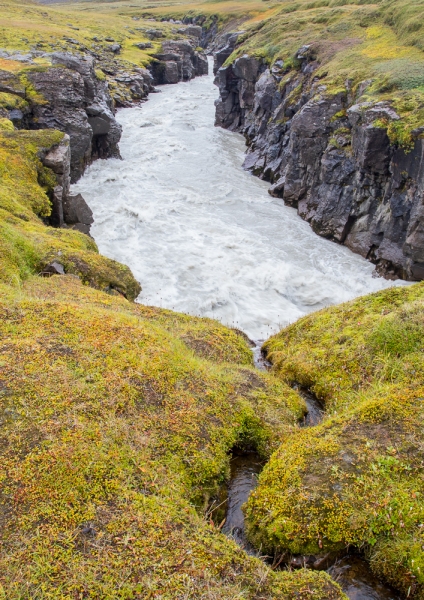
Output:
x,y
200,234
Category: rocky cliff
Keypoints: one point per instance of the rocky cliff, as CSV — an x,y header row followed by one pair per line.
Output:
x,y
178,61
70,93
329,154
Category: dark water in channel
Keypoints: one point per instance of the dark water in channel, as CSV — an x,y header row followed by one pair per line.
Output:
x,y
244,477
351,572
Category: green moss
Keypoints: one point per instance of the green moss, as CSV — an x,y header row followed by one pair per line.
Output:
x,y
12,102
100,75
127,430
6,125
357,478
27,244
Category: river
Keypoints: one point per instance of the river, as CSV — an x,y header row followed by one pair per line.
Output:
x,y
202,235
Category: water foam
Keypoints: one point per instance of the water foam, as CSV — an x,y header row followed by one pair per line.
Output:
x,y
200,234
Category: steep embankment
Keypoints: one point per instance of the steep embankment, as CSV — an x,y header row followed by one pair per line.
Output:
x,y
330,99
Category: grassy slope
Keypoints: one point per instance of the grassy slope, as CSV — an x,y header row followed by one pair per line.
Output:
x,y
113,430
26,244
26,25
356,479
116,419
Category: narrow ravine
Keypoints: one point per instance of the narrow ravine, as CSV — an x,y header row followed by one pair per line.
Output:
x,y
351,570
203,236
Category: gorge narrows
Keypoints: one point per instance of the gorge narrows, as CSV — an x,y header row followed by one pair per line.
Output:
x,y
200,234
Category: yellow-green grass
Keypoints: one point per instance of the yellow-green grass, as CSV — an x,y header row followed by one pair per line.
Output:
x,y
357,479
116,421
26,244
114,435
25,26
354,42
351,348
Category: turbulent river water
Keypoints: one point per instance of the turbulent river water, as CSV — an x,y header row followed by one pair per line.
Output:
x,y
202,235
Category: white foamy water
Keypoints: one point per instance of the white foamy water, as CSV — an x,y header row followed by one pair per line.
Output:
x,y
200,234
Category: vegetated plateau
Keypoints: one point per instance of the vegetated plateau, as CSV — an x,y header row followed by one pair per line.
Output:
x,y
116,420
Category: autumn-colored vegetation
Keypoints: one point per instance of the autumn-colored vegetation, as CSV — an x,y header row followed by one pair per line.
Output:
x,y
357,478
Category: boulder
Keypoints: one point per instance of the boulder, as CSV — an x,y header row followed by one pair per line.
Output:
x,y
53,268
77,213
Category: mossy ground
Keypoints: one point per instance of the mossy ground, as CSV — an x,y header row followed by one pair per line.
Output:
x,y
26,26
115,432
116,421
357,478
26,244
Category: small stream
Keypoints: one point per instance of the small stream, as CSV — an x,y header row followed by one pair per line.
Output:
x,y
351,571
244,477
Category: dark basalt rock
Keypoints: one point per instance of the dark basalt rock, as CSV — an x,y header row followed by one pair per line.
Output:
x,y
53,268
77,213
178,61
68,210
325,156
78,104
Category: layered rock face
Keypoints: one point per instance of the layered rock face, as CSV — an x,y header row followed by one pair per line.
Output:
x,y
70,97
326,155
78,104
68,210
178,61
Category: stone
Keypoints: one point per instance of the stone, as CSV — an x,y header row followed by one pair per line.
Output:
x,y
53,268
193,31
178,61
76,212
11,84
143,45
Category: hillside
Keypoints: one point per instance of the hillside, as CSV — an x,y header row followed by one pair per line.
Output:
x,y
117,420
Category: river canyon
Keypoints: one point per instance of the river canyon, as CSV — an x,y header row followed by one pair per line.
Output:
x,y
201,234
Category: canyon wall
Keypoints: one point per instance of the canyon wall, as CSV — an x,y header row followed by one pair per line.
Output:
x,y
73,95
328,155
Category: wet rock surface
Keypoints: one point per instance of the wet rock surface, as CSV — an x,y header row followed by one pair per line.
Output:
x,y
358,582
327,156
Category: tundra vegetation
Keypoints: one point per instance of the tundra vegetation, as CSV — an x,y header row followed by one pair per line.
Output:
x,y
117,419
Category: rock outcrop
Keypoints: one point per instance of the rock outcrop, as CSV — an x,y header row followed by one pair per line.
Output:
x,y
78,98
76,102
178,61
68,210
329,156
